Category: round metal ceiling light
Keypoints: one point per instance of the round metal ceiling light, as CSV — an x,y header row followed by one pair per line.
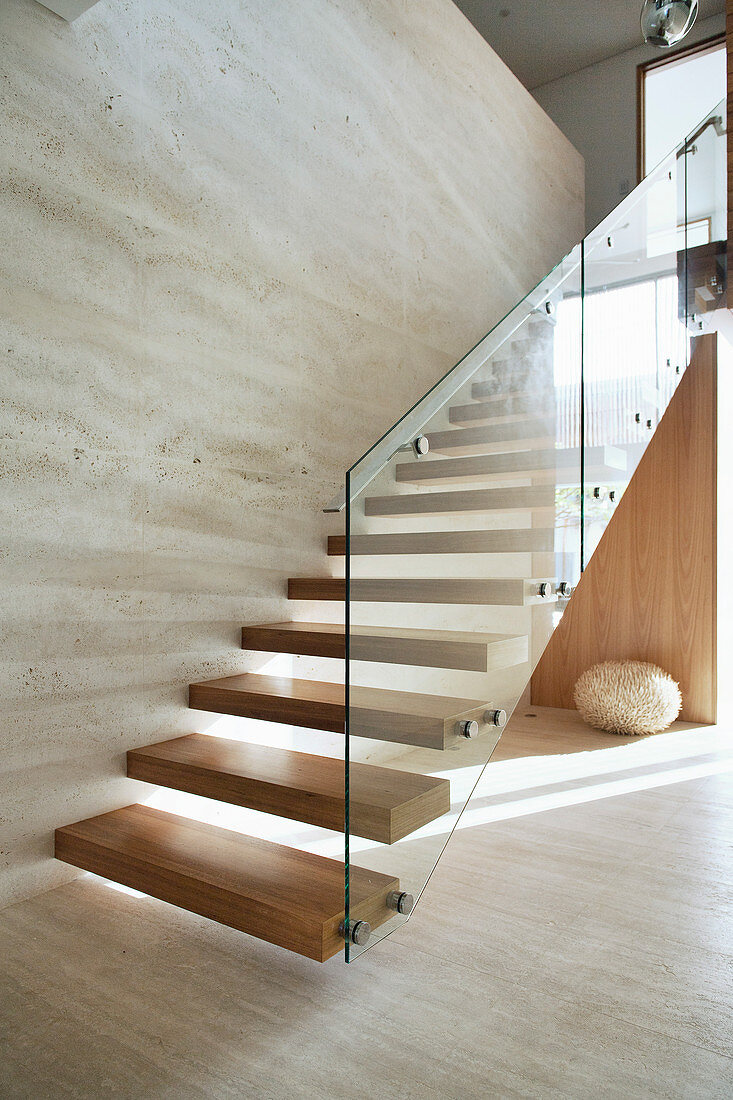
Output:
x,y
665,23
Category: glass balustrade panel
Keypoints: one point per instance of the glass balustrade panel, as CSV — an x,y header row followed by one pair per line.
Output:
x,y
454,560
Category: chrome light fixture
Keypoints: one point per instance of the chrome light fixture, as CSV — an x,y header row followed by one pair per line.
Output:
x,y
666,22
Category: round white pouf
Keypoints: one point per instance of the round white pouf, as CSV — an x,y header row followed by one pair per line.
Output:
x,y
627,697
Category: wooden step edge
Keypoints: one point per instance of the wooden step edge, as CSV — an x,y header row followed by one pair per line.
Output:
x,y
386,805
403,718
495,591
442,542
290,898
533,498
463,651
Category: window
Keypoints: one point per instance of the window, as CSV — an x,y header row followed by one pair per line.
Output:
x,y
676,91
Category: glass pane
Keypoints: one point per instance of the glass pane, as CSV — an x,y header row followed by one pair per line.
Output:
x,y
703,213
634,344
692,84
453,564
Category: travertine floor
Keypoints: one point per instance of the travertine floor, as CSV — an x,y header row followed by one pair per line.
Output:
x,y
562,950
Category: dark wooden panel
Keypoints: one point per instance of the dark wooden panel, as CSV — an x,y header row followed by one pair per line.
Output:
x,y
288,897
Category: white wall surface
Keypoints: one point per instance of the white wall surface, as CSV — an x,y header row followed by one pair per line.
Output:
x,y
596,108
239,241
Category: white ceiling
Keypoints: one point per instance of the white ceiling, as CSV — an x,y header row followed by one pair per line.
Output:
x,y
541,40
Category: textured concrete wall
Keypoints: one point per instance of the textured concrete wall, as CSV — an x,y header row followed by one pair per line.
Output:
x,y
239,240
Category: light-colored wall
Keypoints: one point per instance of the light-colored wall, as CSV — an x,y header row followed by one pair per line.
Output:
x,y
596,109
239,241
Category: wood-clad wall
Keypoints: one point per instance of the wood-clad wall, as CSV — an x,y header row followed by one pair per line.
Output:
x,y
649,591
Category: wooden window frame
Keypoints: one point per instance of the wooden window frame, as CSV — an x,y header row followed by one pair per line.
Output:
x,y
684,52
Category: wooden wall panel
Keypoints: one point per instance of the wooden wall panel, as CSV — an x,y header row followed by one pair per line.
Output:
x,y
649,591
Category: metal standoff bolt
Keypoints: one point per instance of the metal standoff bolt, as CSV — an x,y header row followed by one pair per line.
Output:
x,y
669,362
544,588
419,446
637,418
597,492
609,242
549,308
467,729
358,932
612,496
648,423
400,901
495,718
565,589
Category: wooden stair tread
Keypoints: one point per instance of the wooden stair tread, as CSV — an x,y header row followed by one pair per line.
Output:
x,y
522,540
527,498
385,804
291,898
396,716
496,437
473,652
496,592
603,460
502,407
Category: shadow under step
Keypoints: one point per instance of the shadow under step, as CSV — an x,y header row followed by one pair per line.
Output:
x,y
290,898
525,540
496,437
601,463
470,652
401,717
499,592
527,498
384,804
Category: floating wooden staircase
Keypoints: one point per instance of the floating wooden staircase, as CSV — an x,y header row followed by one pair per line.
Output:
x,y
287,896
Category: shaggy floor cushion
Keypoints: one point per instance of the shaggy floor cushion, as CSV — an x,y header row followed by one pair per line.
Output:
x,y
627,697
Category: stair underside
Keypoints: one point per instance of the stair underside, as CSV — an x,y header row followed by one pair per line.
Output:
x,y
385,804
499,592
524,540
291,898
391,645
401,717
528,498
600,463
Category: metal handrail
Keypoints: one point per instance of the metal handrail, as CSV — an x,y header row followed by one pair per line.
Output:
x,y
688,146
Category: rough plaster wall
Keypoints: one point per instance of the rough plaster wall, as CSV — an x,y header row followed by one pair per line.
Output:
x,y
239,241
